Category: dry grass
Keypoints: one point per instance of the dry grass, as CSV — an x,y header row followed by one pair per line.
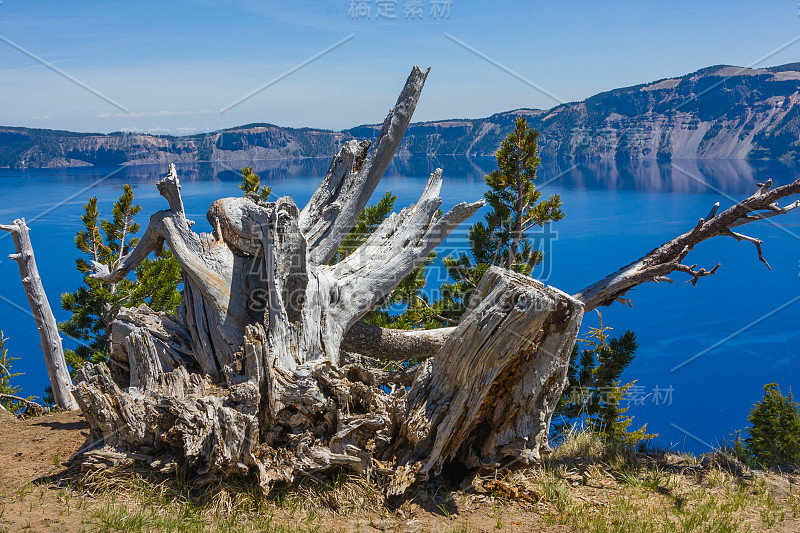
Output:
x,y
582,486
135,500
591,487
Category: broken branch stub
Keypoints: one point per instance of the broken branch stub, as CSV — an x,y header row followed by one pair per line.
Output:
x,y
490,393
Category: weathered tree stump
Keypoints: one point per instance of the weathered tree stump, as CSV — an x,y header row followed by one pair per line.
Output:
x,y
267,370
484,400
489,395
251,377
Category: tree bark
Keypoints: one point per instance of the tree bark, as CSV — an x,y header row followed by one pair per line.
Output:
x,y
57,370
488,396
394,344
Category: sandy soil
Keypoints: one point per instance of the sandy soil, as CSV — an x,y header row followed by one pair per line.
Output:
x,y
33,499
34,448
31,451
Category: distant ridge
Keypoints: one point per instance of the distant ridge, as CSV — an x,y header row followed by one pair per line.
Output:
x,y
718,112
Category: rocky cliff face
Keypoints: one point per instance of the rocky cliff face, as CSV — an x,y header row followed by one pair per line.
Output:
x,y
720,112
22,147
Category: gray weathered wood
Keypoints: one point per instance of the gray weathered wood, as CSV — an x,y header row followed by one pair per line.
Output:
x,y
394,344
251,376
306,308
489,395
353,176
486,399
57,370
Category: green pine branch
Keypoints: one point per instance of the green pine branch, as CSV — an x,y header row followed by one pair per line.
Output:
x,y
251,183
95,304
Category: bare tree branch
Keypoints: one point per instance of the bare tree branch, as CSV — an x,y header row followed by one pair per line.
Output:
x,y
669,257
653,267
20,399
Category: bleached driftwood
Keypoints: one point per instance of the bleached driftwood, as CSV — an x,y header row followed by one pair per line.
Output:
x,y
57,370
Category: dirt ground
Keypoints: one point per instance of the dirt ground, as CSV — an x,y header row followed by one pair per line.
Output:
x,y
575,495
32,499
34,448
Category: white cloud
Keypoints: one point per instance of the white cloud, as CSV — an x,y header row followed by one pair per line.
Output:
x,y
140,114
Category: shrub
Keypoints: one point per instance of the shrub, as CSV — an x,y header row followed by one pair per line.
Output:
x,y
774,435
595,391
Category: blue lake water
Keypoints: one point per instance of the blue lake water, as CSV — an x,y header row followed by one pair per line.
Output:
x,y
742,322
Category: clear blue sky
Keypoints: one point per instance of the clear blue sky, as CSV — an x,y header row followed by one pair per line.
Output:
x,y
176,64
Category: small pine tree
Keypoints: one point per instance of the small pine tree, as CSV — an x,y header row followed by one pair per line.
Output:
x,y
6,375
96,303
515,200
774,435
516,208
251,183
594,389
